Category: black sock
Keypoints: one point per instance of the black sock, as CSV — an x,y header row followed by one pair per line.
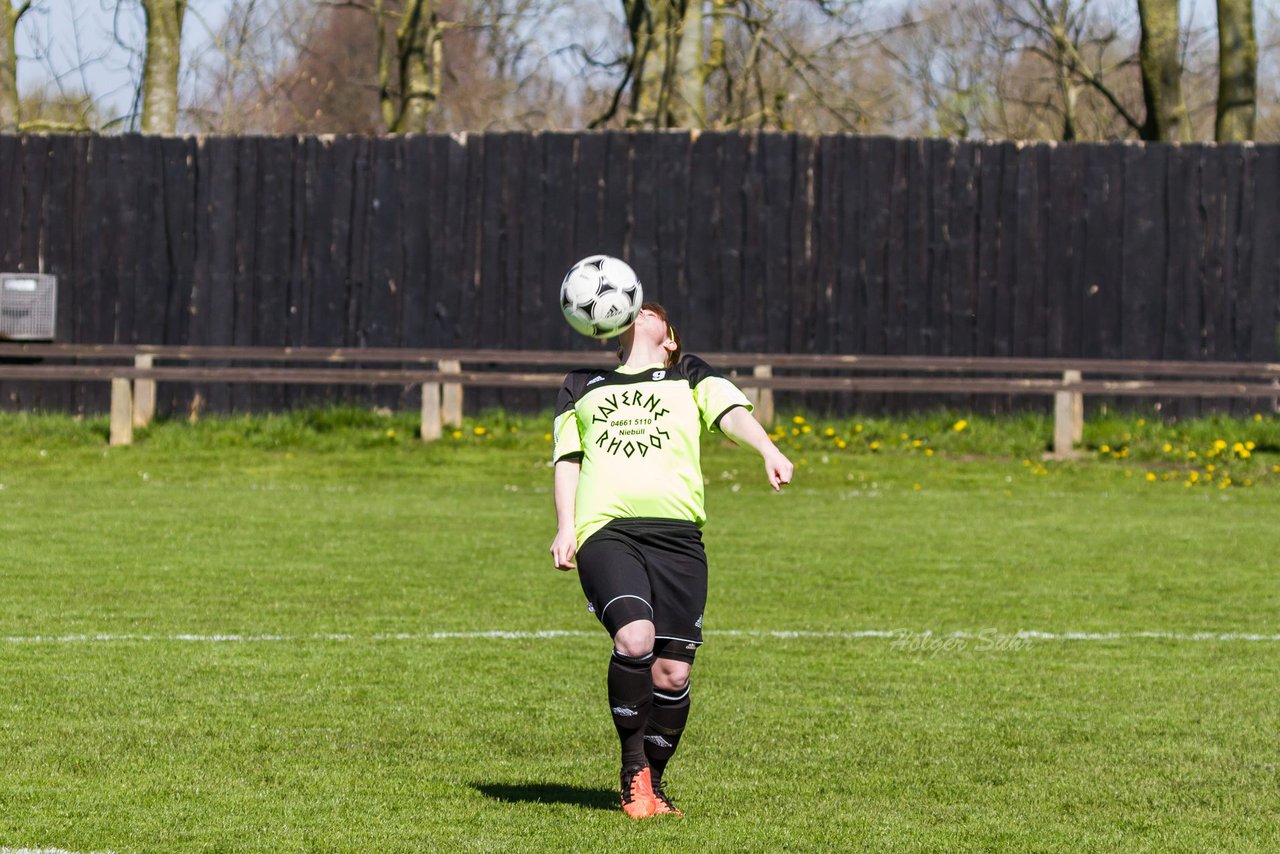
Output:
x,y
630,698
666,723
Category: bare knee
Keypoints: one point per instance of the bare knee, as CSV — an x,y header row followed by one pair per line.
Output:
x,y
670,676
635,639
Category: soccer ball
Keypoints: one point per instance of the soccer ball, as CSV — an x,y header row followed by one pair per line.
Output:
x,y
601,296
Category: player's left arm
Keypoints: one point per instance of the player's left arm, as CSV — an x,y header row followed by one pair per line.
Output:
x,y
740,426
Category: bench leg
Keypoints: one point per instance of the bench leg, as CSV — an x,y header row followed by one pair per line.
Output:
x,y
121,412
432,426
1068,419
451,396
144,394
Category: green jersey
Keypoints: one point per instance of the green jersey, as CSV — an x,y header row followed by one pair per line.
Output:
x,y
636,434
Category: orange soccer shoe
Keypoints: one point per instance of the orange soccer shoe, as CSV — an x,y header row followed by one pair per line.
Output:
x,y
664,804
637,792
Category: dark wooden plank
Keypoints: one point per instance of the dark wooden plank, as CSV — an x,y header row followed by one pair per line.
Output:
x,y
536,305
487,292
1213,250
748,304
915,282
272,252
778,159
1264,282
962,254
1142,261
849,182
672,211
1066,245
942,158
733,244
57,253
615,232
646,176
11,163
702,268
412,196
804,318
557,223
589,184
1106,242
240,276
224,159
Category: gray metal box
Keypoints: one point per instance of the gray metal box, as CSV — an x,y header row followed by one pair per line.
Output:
x,y
28,306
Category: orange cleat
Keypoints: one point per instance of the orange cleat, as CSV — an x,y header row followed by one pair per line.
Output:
x,y
637,792
664,804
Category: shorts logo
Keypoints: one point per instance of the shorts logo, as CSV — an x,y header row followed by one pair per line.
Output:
x,y
691,646
624,712
699,622
658,740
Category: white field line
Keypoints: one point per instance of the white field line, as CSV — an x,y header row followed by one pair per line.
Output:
x,y
40,851
895,634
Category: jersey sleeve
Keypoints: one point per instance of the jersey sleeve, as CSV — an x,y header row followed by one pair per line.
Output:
x,y
566,432
714,394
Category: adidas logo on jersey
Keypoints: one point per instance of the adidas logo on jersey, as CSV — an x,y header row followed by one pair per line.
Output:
x,y
597,378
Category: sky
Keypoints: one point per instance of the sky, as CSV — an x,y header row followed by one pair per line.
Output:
x,y
94,46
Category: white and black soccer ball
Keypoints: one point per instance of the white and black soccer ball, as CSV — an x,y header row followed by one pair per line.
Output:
x,y
601,296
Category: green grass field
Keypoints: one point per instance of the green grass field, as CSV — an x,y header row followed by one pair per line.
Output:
x,y
267,635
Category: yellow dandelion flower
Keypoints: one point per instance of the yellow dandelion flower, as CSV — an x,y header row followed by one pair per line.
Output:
x,y
959,425
1275,469
1257,416
795,432
841,443
1210,467
806,429
1249,446
1244,455
546,437
830,431
480,431
1248,482
857,428
928,452
1142,422
1237,447
875,446
902,437
1187,484
917,487
798,419
1026,463
1106,449
1128,472
1167,447
1151,476
1191,455
391,434
457,434
1219,445
1193,476
917,443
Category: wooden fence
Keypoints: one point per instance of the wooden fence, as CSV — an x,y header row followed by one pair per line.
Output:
x,y
755,242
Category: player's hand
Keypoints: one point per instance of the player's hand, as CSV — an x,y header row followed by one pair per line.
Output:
x,y
778,469
563,548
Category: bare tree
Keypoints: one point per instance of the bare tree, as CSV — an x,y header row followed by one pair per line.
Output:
x,y
1166,118
9,99
1238,71
161,64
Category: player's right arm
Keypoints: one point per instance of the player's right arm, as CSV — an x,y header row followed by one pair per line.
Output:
x,y
565,545
568,459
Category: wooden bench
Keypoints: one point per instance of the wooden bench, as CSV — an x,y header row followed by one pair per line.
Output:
x,y
133,372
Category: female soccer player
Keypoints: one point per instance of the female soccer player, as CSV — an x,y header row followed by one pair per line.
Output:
x,y
629,506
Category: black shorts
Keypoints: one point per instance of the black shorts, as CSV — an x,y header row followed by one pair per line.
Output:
x,y
648,569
